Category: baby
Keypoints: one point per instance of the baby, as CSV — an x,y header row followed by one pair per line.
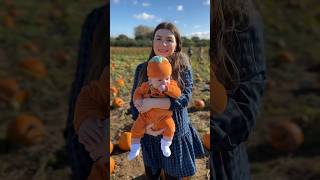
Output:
x,y
159,85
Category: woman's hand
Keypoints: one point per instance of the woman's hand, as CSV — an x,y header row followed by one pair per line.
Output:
x,y
138,104
149,103
152,132
92,137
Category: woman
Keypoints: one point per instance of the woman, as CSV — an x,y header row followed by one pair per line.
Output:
x,y
186,143
92,58
237,51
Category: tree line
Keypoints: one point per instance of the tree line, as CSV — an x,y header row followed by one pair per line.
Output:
x,y
143,38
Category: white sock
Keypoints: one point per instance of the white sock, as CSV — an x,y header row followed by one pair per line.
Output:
x,y
165,147
134,151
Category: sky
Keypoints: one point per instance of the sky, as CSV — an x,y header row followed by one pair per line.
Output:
x,y
192,17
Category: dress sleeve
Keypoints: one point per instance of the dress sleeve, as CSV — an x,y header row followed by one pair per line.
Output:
x,y
133,110
183,100
233,126
92,101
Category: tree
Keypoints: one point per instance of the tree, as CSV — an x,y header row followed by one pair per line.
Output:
x,y
186,42
143,32
122,37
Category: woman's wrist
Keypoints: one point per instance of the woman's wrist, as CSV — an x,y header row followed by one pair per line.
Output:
x,y
161,103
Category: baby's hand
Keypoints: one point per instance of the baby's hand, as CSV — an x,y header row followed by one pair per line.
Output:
x,y
138,104
162,88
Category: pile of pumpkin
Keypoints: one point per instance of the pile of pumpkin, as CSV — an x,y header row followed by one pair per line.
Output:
x,y
25,129
114,91
124,144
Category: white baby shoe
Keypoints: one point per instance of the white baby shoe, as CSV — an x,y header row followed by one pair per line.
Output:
x,y
165,147
134,151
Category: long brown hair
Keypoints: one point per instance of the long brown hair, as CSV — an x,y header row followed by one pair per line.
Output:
x,y
98,53
178,60
228,17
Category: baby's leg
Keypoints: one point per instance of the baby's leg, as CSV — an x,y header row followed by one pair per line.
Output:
x,y
137,132
168,133
170,128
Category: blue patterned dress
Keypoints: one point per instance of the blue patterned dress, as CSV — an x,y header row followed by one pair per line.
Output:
x,y
186,144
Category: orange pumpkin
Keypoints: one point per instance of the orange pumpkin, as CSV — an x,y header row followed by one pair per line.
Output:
x,y
26,129
218,95
61,57
117,102
111,147
199,104
114,90
206,140
35,67
31,47
285,136
9,87
98,170
9,21
125,141
120,82
286,57
21,96
112,165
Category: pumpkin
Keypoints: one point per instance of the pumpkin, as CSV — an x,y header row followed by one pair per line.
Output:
x,y
11,92
206,140
113,66
9,21
26,129
111,147
31,47
218,95
285,136
114,90
61,57
9,87
286,57
112,165
19,98
199,104
34,67
117,102
125,141
98,170
120,82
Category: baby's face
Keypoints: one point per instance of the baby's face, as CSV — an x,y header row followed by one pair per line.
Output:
x,y
156,82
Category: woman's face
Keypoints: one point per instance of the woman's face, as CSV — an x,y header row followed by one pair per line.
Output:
x,y
164,43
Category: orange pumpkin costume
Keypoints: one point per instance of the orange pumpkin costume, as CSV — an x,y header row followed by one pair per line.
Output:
x,y
92,104
161,118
